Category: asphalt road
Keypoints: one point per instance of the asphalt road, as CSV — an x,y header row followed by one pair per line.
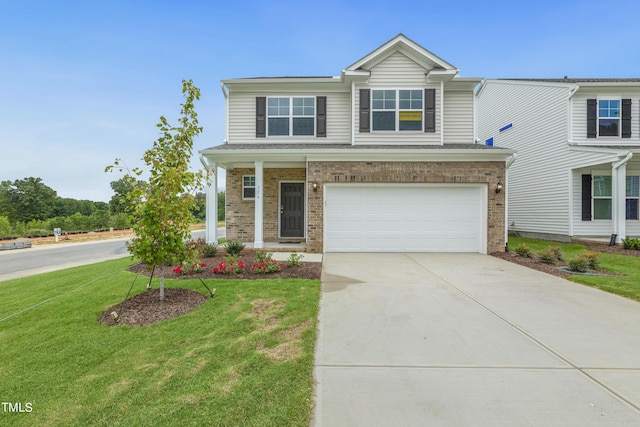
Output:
x,y
41,259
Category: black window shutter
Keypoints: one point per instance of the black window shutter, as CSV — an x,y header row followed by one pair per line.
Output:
x,y
626,118
586,197
365,108
592,117
261,119
429,110
321,112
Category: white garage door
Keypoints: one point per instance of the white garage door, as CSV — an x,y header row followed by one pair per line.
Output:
x,y
405,218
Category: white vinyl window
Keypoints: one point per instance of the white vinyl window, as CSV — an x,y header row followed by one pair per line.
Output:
x,y
291,116
394,110
609,117
248,187
601,197
633,194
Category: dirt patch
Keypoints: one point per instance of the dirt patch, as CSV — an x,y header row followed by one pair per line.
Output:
x,y
307,270
146,308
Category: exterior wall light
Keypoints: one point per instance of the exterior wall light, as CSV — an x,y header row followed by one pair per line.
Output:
x,y
315,186
499,187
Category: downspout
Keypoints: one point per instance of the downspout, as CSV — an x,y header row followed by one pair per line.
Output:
x,y
225,92
619,222
353,113
509,162
441,112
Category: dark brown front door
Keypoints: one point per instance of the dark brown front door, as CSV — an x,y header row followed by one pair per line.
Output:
x,y
292,209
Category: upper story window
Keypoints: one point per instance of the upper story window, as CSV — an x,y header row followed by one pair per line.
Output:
x,y
608,117
396,110
291,116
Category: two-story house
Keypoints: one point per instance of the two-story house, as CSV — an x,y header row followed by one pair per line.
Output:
x,y
577,142
380,158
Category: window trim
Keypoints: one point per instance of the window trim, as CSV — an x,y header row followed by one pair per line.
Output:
x,y
627,197
291,116
397,110
244,186
619,118
636,197
594,197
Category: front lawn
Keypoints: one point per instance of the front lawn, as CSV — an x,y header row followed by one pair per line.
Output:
x,y
626,265
244,357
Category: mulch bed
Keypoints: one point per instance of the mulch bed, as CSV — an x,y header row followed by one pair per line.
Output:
x,y
146,308
307,270
553,268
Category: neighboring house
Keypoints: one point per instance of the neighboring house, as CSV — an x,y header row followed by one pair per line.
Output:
x,y
381,158
578,145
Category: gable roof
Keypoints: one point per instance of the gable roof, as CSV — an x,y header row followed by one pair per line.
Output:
x,y
406,46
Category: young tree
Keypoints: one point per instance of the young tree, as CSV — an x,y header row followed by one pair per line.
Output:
x,y
162,208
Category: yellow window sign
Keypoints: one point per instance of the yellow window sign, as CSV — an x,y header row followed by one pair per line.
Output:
x,y
411,116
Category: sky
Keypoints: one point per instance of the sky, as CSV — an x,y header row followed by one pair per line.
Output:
x,y
85,82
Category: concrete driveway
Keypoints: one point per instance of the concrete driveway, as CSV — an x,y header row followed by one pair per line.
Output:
x,y
470,340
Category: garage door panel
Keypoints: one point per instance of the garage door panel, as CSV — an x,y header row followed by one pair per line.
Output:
x,y
396,218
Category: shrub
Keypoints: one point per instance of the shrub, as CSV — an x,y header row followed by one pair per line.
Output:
x,y
201,246
294,260
546,256
267,266
557,253
209,250
523,250
579,264
233,247
631,243
263,256
592,259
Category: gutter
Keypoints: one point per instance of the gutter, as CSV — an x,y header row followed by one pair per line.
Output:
x,y
225,92
623,161
511,160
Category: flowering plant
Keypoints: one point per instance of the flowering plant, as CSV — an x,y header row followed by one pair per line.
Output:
x,y
230,265
267,266
189,269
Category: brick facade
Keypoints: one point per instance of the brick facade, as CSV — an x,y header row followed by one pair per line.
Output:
x,y
239,213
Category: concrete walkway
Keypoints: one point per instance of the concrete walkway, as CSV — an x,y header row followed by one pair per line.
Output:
x,y
471,340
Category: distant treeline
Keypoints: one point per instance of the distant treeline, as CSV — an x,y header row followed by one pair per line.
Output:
x,y
29,208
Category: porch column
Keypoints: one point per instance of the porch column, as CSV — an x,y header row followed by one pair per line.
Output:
x,y
618,201
211,212
259,209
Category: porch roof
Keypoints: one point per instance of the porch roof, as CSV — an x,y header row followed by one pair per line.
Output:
x,y
295,155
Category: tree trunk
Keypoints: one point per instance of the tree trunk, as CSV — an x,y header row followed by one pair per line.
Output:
x,y
161,288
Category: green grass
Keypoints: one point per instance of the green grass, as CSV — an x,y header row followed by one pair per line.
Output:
x,y
628,266
222,364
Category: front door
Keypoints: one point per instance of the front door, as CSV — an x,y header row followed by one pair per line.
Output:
x,y
292,209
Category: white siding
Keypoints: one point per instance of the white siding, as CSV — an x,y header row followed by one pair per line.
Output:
x,y
579,105
544,184
397,72
458,117
242,119
538,188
